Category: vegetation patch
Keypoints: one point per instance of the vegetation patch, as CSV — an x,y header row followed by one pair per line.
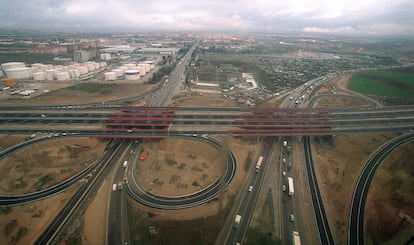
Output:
x,y
390,83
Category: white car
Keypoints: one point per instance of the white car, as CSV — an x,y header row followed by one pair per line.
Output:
x,y
284,173
250,188
292,218
283,188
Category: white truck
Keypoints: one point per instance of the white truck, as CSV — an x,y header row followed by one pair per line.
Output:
x,y
295,238
125,164
237,221
114,187
285,143
291,188
259,163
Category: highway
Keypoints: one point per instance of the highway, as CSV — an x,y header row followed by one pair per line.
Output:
x,y
356,232
162,122
88,188
245,202
325,234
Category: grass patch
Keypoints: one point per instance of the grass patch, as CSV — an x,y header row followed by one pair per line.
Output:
x,y
258,238
104,89
390,83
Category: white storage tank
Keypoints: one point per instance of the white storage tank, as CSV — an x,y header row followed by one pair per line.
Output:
x,y
110,76
102,64
9,65
62,76
39,76
132,75
118,72
49,74
96,65
123,68
83,70
147,66
130,66
91,67
19,72
77,72
151,63
141,70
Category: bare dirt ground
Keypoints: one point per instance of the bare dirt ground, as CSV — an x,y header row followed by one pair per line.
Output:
x,y
212,100
46,164
338,162
7,141
198,225
175,167
65,96
24,223
390,205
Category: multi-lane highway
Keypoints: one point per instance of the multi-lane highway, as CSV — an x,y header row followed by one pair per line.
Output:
x,y
356,215
164,121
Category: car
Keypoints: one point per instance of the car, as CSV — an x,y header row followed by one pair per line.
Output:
x,y
283,188
284,173
250,188
292,218
129,131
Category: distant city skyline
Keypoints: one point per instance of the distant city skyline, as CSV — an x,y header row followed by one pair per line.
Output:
x,y
364,17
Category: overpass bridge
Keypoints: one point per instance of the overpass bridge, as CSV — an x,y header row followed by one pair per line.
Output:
x,y
159,122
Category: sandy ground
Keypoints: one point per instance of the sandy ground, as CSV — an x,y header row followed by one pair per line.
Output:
x,y
7,141
390,204
35,217
339,160
45,164
196,166
95,216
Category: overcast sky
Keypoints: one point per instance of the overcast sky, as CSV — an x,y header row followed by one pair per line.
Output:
x,y
387,17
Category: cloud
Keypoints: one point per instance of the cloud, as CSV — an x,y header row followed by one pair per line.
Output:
x,y
336,16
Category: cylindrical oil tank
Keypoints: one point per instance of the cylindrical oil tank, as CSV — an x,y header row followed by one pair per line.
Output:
x,y
39,76
49,74
102,64
110,76
118,72
91,67
130,66
19,72
147,66
77,72
123,68
96,65
62,76
83,70
141,70
132,75
9,65
150,62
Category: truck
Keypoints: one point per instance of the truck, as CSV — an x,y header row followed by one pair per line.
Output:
x,y
291,188
259,163
114,187
125,164
285,143
237,221
295,238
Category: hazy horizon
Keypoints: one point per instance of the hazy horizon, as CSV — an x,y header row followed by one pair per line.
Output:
x,y
365,17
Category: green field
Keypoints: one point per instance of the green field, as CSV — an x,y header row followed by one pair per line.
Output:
x,y
389,83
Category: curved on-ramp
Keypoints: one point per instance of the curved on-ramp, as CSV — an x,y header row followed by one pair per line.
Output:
x,y
360,193
172,203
